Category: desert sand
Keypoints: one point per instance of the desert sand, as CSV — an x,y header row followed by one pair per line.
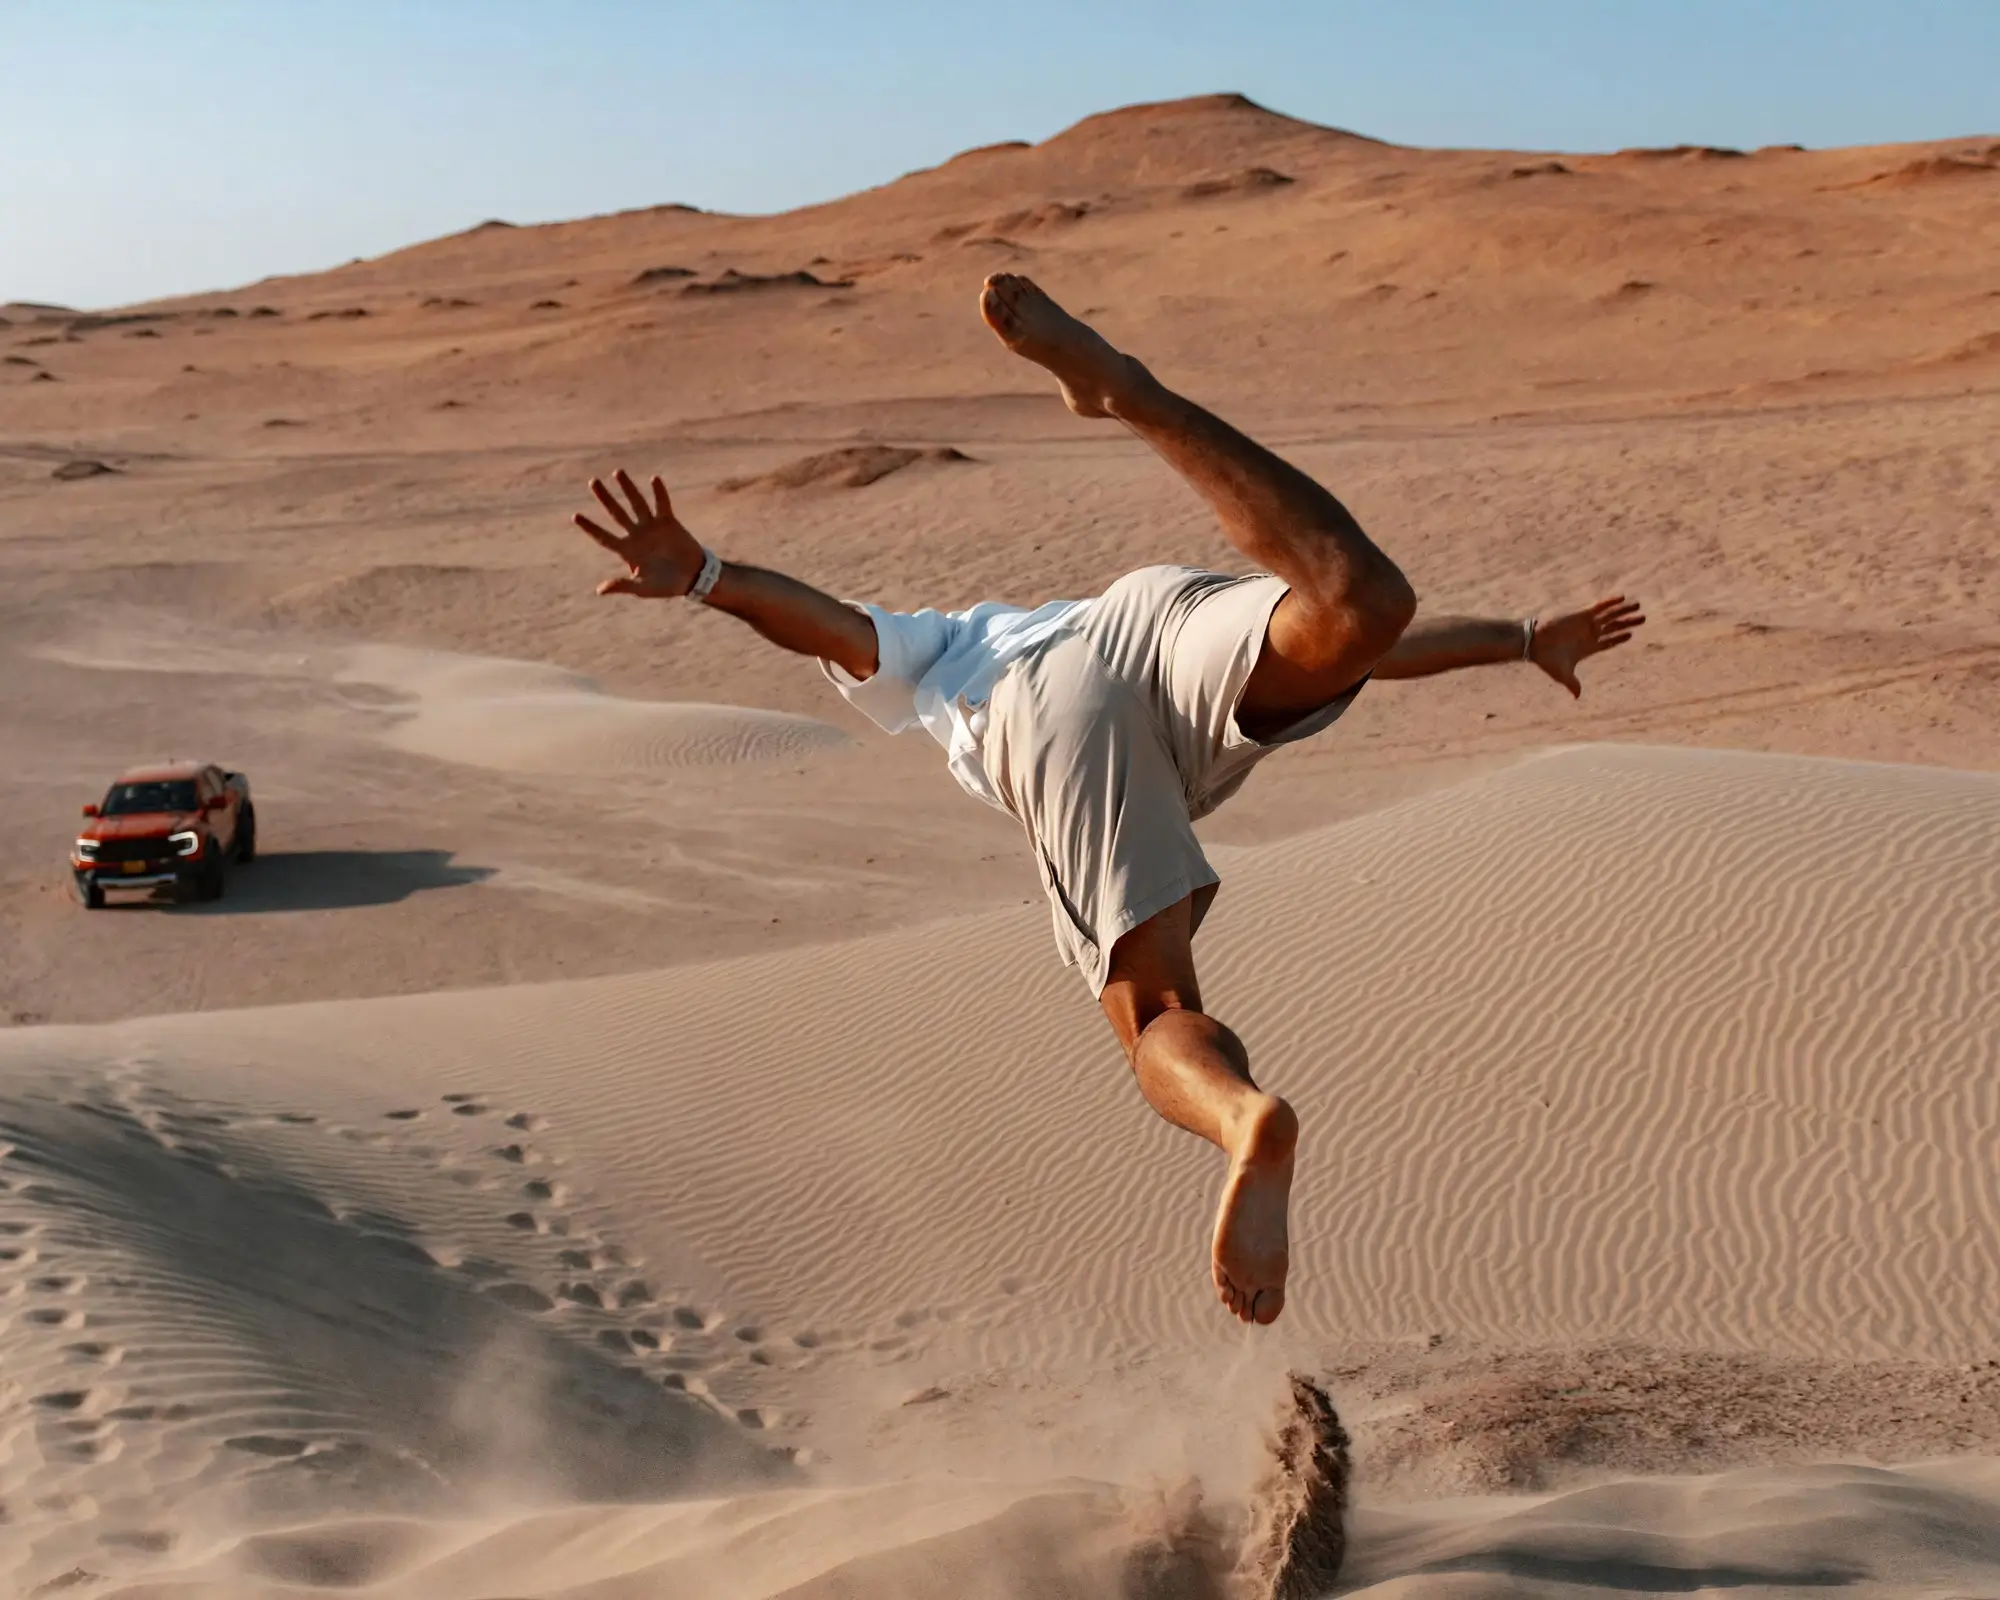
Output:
x,y
493,1196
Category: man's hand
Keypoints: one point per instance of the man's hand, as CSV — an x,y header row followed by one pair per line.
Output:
x,y
664,557
1560,643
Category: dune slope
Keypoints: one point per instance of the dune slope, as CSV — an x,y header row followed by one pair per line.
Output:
x,y
1708,1066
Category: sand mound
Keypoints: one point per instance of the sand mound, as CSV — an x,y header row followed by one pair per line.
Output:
x,y
522,717
1248,181
733,282
1706,1061
1677,152
1931,169
511,716
850,467
1980,349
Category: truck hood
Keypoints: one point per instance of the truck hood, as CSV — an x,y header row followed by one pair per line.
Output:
x,y
140,825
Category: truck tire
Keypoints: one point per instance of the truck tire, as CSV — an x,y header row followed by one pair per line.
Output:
x,y
246,834
206,882
87,892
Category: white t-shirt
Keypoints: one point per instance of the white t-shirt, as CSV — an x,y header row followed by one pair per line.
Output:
x,y
939,668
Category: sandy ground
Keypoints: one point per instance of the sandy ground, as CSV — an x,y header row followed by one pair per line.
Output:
x,y
628,1134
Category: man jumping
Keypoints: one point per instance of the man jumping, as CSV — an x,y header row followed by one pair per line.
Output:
x,y
1108,726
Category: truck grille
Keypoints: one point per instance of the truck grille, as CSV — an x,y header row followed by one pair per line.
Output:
x,y
113,851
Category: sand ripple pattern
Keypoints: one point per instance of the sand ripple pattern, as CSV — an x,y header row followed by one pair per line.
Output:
x,y
1684,1047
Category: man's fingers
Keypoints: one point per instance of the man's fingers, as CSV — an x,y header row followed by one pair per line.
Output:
x,y
640,509
666,507
619,586
603,536
609,501
1615,640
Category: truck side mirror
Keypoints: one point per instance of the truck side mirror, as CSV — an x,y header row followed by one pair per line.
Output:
x,y
90,811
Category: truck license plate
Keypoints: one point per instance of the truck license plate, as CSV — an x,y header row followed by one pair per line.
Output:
x,y
134,868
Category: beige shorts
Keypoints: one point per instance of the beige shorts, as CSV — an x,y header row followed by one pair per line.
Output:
x,y
1107,743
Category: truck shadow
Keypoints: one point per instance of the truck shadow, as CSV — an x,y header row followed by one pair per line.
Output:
x,y
330,880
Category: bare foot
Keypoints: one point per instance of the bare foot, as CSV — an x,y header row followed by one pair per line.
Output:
x,y
1250,1251
1093,375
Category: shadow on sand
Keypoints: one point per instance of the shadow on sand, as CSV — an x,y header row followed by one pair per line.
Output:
x,y
324,880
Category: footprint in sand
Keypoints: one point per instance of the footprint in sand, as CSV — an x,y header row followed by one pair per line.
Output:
x,y
688,1317
527,1122
544,1189
64,1400
147,1541
179,1411
51,1318
519,1297
635,1293
276,1446
407,1115
95,1350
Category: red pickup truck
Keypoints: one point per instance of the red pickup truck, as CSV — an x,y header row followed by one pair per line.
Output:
x,y
175,825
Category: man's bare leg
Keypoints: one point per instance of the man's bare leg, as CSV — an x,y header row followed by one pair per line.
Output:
x,y
1348,601
1194,1072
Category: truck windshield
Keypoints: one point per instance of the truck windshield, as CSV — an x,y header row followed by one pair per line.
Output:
x,y
135,799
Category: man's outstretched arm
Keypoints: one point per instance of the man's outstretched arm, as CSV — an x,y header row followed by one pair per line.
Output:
x,y
1555,644
664,560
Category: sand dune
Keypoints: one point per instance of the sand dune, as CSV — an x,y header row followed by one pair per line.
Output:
x,y
1706,1067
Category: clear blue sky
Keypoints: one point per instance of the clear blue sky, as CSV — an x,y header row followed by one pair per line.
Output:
x,y
159,146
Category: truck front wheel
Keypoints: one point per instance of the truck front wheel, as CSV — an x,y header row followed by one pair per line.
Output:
x,y
246,835
87,892
205,882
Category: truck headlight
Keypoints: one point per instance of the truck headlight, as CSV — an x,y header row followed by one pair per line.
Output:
x,y
187,842
86,849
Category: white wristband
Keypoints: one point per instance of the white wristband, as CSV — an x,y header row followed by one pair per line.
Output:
x,y
1528,638
704,580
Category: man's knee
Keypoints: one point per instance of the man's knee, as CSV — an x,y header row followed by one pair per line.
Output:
x,y
1349,622
1380,603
